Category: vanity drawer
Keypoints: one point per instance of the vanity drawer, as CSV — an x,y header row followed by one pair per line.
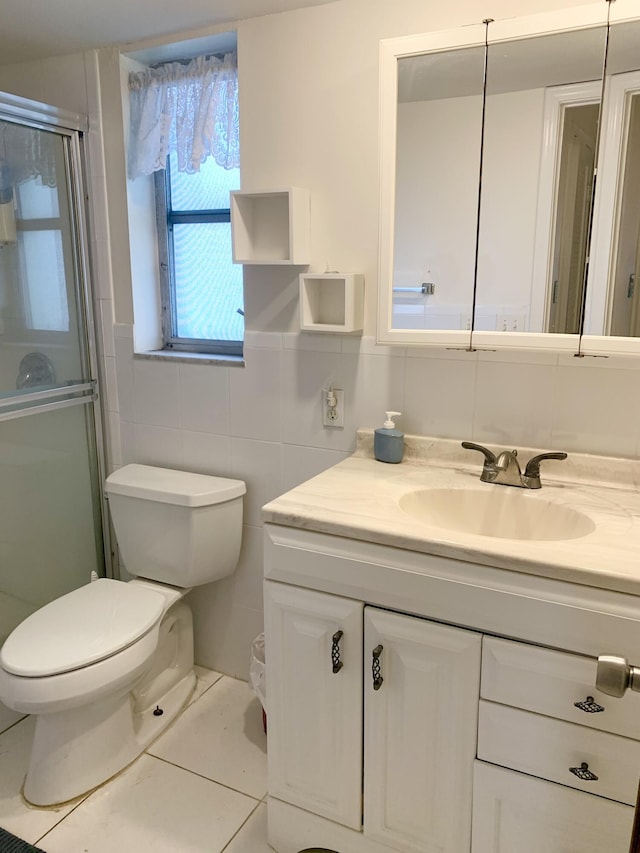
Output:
x,y
550,682
514,813
547,748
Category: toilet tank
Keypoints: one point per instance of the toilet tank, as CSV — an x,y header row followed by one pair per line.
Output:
x,y
176,527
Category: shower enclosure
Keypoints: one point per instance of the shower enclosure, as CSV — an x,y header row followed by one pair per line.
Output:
x,y
51,531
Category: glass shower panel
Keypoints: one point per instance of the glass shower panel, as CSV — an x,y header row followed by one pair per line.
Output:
x,y
41,324
51,534
50,538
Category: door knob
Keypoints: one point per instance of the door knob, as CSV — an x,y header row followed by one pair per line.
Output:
x,y
614,675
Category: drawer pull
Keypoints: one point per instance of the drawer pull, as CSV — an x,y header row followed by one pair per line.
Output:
x,y
584,773
375,668
336,663
589,706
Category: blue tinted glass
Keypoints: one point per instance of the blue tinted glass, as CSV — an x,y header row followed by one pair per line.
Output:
x,y
207,189
208,286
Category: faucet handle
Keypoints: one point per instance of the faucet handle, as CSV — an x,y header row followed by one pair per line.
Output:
x,y
532,471
490,458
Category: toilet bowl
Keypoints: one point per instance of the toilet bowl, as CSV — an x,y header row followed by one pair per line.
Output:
x,y
108,666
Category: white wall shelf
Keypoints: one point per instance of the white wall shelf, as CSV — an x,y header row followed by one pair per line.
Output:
x,y
271,226
332,302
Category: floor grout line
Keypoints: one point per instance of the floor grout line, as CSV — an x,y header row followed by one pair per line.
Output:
x,y
206,778
64,817
242,825
13,725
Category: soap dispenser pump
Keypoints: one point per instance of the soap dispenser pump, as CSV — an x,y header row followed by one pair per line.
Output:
x,y
388,442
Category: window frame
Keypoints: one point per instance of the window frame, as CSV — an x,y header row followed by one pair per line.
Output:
x,y
166,218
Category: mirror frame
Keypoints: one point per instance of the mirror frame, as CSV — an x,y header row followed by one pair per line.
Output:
x,y
391,50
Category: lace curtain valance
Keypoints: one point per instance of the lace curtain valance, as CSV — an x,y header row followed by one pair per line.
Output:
x,y
25,153
189,109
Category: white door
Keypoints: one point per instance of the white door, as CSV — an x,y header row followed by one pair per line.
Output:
x,y
420,732
514,813
314,692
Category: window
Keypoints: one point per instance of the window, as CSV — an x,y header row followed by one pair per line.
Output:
x,y
202,297
184,132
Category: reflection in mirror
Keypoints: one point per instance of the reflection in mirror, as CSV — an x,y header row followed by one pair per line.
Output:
x,y
574,192
617,249
439,123
625,310
541,122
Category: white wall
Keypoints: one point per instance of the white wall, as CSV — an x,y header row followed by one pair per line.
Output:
x,y
510,177
437,176
308,89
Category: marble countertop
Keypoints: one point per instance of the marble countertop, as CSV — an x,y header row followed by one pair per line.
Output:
x,y
360,499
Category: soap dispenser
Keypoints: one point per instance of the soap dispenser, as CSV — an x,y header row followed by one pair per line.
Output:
x,y
388,442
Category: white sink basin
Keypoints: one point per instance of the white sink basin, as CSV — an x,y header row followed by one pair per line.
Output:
x,y
498,511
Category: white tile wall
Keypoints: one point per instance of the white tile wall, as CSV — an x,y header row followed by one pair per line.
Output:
x,y
204,398
256,396
514,402
205,453
156,391
262,424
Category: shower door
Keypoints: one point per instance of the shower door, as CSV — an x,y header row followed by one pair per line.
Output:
x,y
50,440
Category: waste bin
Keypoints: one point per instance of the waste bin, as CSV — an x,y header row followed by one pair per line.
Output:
x,y
257,675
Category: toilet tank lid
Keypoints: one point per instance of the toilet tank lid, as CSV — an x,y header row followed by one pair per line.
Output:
x,y
84,626
173,487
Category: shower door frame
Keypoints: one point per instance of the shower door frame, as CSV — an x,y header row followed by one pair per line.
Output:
x,y
74,127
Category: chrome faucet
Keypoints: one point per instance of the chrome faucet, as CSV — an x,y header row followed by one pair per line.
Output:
x,y
504,470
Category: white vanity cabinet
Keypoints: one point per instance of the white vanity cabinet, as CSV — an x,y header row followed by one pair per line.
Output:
x,y
468,744
420,682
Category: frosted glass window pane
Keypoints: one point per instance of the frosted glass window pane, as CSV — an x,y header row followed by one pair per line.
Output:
x,y
36,200
50,533
208,285
44,284
208,189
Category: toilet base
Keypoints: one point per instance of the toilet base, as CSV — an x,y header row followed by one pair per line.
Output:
x,y
75,751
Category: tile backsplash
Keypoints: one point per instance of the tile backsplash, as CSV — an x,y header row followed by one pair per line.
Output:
x,y
263,423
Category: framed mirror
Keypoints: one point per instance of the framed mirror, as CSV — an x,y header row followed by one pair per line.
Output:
x,y
542,112
430,135
536,204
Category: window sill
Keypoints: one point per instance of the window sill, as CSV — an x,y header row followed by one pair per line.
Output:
x,y
192,357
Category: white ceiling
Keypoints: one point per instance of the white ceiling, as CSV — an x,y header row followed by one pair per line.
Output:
x,y
33,29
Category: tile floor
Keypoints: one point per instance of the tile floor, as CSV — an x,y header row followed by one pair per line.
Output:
x,y
199,787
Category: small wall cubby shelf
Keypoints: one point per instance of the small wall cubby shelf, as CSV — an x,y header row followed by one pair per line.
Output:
x,y
271,226
331,302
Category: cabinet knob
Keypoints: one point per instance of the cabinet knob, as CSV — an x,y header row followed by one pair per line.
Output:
x,y
614,675
375,668
584,773
336,663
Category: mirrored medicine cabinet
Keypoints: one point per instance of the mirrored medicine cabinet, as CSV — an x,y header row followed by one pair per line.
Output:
x,y
494,233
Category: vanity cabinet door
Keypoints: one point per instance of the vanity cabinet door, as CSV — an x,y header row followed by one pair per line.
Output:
x,y
514,813
314,694
420,732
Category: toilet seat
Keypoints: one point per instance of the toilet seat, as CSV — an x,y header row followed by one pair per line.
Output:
x,y
86,626
88,684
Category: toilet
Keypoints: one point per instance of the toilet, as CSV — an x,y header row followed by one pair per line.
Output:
x,y
106,668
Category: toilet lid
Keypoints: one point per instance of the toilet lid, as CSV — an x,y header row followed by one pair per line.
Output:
x,y
80,628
